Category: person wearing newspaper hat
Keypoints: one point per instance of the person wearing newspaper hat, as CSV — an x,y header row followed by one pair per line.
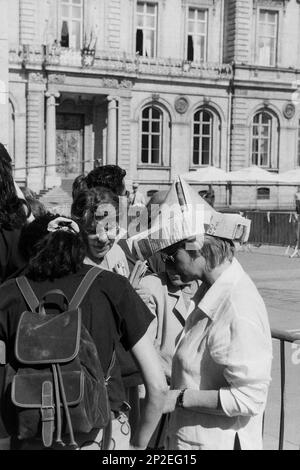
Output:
x,y
221,367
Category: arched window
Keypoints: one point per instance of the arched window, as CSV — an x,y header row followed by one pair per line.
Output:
x,y
203,137
152,136
262,139
265,139
263,193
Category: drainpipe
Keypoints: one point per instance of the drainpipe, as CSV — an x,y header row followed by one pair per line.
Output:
x,y
229,129
229,117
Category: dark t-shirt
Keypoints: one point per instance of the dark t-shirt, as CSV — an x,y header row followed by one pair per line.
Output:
x,y
111,311
10,258
130,373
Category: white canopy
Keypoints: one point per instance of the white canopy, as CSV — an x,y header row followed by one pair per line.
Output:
x,y
253,174
206,175
291,176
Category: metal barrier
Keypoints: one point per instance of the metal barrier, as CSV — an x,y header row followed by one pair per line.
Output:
x,y
65,164
283,337
272,228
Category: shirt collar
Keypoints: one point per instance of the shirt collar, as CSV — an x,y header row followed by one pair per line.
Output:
x,y
176,291
220,290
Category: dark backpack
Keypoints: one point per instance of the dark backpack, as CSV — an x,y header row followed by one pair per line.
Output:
x,y
58,383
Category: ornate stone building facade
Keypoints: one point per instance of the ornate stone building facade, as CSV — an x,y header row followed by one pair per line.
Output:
x,y
157,86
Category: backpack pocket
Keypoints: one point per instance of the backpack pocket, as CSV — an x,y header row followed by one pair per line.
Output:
x,y
27,396
46,339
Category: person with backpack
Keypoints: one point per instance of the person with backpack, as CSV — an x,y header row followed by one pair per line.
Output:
x,y
42,398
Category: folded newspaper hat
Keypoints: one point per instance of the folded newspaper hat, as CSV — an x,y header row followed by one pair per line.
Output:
x,y
183,215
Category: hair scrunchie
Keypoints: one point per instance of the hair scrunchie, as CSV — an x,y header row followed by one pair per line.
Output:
x,y
62,223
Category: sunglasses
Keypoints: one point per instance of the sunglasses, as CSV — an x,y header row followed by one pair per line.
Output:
x,y
170,256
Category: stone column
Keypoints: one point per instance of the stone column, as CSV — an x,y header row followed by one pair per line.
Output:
x,y
35,141
20,144
51,178
111,152
126,158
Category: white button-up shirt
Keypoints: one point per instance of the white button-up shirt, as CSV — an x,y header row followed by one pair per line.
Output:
x,y
226,345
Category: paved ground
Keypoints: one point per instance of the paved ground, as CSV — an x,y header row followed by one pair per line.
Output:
x,y
278,280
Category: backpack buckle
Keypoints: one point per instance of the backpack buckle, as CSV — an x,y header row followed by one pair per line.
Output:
x,y
47,413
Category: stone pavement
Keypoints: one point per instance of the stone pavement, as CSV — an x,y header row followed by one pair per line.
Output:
x,y
278,279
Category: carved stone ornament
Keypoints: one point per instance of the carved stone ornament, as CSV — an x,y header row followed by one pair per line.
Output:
x,y
270,3
57,78
37,77
155,96
289,110
181,105
125,84
195,3
110,83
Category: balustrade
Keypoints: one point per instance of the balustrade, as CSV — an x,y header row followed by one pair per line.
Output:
x,y
116,61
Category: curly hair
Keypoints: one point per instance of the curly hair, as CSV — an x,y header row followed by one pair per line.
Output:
x,y
78,185
51,255
107,176
13,211
87,201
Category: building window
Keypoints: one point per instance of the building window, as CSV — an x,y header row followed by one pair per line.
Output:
x,y
197,35
267,37
298,146
202,138
71,18
146,31
152,131
262,139
263,193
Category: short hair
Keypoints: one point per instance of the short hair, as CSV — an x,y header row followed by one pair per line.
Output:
x,y
87,202
51,255
108,176
215,251
78,185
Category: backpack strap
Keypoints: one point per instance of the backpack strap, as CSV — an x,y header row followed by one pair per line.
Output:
x,y
84,286
27,292
107,431
106,437
47,412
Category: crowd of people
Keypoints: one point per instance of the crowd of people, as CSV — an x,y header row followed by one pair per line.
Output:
x,y
185,349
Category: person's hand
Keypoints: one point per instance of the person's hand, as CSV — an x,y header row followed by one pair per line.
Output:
x,y
144,293
170,402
